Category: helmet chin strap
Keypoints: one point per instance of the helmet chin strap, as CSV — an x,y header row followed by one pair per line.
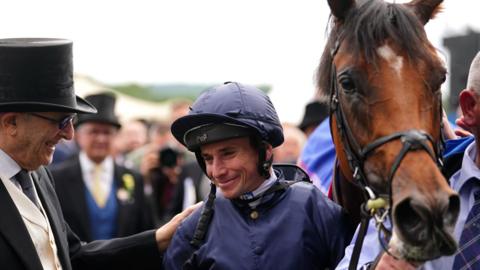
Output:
x,y
205,218
264,164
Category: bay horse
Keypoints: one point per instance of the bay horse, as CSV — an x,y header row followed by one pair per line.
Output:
x,y
383,77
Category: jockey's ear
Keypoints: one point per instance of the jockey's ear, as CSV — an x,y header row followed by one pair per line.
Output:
x,y
470,104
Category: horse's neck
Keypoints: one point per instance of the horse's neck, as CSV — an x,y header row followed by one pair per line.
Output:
x,y
348,195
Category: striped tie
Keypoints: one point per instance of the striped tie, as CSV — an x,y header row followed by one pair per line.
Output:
x,y
468,255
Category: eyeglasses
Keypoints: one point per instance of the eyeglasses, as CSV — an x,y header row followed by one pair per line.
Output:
x,y
62,123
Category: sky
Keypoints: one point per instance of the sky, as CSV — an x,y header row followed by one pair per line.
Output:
x,y
275,42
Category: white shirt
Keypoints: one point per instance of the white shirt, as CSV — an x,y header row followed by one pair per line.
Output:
x,y
261,189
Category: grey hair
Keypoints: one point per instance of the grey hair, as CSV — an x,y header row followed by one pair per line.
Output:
x,y
473,81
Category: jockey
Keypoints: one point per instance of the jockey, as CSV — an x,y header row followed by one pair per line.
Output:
x,y
263,217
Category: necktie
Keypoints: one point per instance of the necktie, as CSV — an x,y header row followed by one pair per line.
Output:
x,y
98,192
23,178
468,255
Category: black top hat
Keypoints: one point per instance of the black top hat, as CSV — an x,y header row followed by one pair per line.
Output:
x,y
36,74
315,113
105,103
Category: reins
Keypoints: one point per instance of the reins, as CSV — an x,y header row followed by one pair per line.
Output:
x,y
377,206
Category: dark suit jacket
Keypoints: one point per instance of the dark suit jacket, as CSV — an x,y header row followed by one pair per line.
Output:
x,y
133,214
189,170
17,251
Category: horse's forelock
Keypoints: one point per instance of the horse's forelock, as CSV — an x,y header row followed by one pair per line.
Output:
x,y
366,27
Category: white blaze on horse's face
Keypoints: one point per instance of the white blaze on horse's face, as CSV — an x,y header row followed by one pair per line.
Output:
x,y
395,61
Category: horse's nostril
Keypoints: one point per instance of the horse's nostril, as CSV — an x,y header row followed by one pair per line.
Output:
x,y
452,210
411,222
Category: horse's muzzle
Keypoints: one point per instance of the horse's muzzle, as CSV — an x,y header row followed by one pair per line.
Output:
x,y
423,231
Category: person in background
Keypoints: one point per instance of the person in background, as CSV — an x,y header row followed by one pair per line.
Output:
x,y
164,179
132,135
37,104
318,156
462,168
259,219
146,156
175,183
100,199
192,187
315,112
290,150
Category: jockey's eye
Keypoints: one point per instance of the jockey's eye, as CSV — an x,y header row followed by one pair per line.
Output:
x,y
347,84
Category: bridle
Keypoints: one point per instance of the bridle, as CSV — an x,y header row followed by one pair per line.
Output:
x,y
377,206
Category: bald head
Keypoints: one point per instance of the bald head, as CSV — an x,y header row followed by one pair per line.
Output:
x,y
473,81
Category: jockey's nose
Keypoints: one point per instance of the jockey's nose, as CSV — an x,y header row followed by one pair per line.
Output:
x,y
216,168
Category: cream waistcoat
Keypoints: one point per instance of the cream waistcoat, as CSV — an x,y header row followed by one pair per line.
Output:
x,y
37,225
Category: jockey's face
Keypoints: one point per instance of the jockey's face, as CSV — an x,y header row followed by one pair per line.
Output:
x,y
232,165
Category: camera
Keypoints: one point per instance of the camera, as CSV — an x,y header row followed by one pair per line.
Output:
x,y
168,157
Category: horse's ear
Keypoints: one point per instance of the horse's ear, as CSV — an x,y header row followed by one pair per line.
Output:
x,y
340,8
425,9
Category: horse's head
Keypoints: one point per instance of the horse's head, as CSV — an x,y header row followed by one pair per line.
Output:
x,y
384,77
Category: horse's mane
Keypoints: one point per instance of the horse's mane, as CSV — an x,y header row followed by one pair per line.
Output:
x,y
366,27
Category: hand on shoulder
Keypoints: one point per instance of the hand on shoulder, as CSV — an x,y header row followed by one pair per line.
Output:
x,y
165,233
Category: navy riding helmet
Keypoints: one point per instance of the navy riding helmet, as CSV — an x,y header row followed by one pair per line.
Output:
x,y
229,111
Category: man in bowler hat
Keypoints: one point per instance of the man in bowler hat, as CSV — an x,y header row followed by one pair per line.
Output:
x,y
100,199
315,113
37,105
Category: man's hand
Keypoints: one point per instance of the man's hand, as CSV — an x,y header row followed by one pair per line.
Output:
x,y
165,233
447,130
464,130
149,161
389,262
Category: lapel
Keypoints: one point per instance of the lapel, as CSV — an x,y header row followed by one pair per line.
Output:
x,y
15,233
118,184
52,208
125,200
117,177
27,209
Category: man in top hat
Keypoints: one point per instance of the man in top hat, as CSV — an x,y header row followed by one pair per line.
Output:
x,y
100,199
37,105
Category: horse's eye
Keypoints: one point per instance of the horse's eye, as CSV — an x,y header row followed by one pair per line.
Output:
x,y
438,82
347,84
444,78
